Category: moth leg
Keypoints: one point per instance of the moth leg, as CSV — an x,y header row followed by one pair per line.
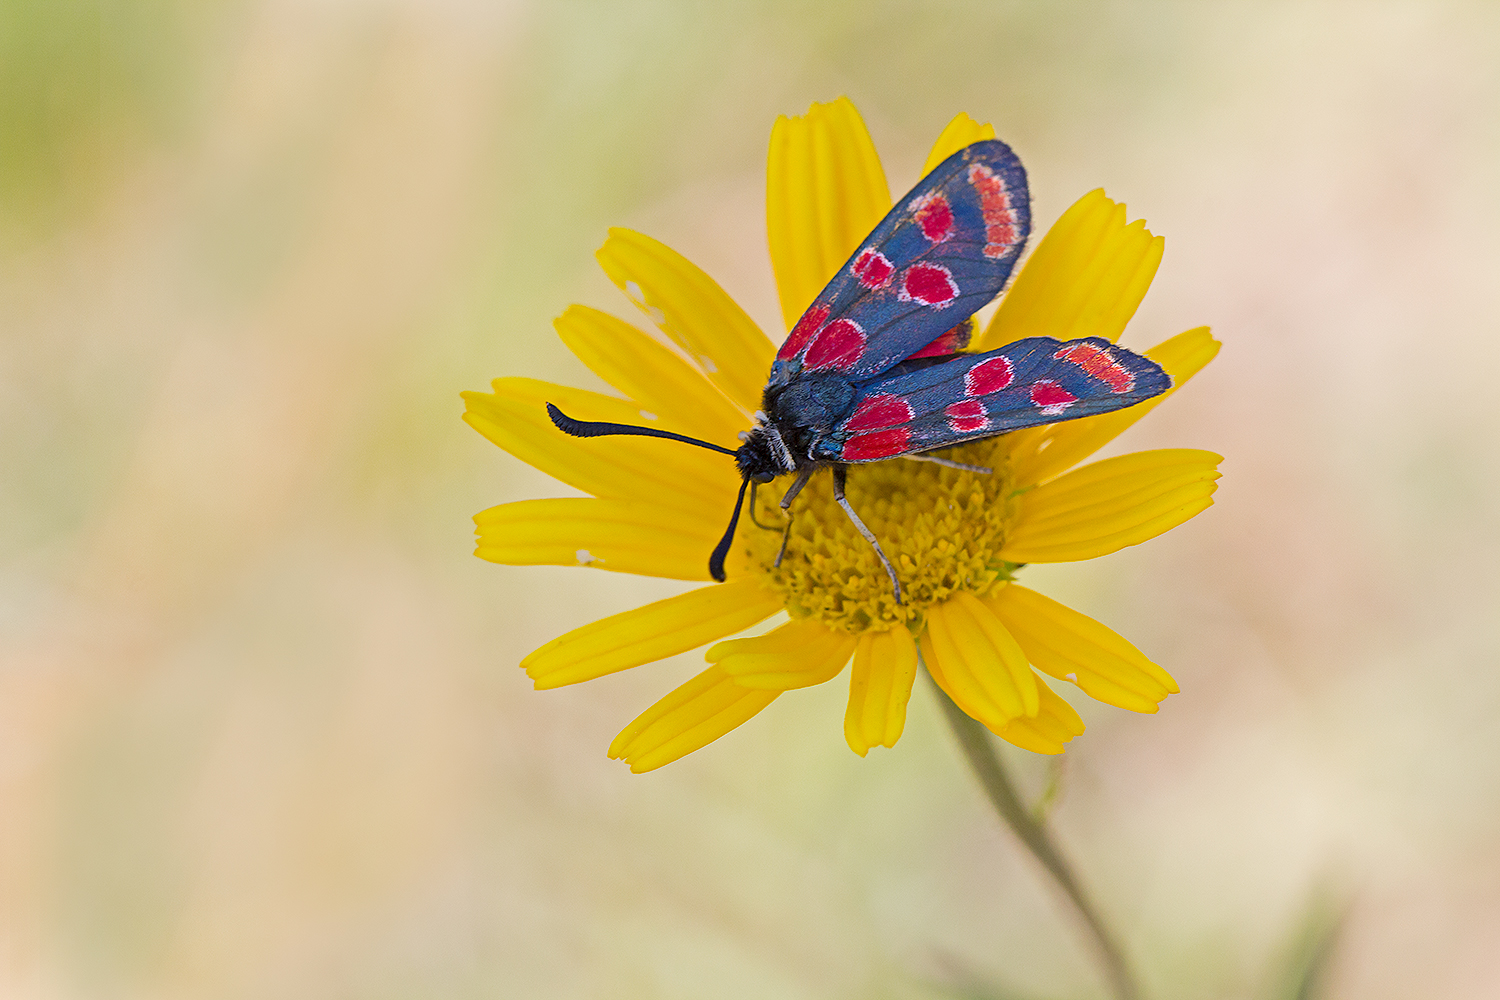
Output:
x,y
839,475
786,502
754,520
949,463
802,478
786,536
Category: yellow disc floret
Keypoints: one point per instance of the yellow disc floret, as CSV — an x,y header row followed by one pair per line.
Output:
x,y
942,527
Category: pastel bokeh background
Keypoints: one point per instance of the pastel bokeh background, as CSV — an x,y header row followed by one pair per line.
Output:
x,y
262,733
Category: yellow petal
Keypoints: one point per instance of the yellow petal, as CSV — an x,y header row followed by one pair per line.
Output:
x,y
674,475
1047,731
662,383
798,654
1085,279
1108,505
942,659
691,717
977,662
1006,652
654,632
961,131
626,536
691,309
1127,481
885,664
825,191
1057,448
1074,647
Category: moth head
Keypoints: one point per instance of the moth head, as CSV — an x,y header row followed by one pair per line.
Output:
x,y
762,455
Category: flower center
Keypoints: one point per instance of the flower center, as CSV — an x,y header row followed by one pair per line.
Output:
x,y
941,527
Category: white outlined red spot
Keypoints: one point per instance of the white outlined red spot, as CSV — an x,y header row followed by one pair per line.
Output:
x,y
934,216
880,410
967,416
930,284
1101,364
838,345
1000,230
989,376
873,268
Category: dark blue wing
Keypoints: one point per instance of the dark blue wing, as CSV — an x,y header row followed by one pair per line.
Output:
x,y
945,250
926,404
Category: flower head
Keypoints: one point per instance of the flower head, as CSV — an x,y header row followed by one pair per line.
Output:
x,y
957,537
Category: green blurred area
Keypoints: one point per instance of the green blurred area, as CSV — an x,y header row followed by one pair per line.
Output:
x,y
85,87
261,726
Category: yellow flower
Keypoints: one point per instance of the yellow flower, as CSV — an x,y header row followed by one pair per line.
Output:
x,y
956,536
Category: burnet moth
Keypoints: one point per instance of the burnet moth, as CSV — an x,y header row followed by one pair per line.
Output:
x,y
875,368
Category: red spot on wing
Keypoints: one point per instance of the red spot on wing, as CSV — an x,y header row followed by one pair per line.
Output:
x,y
951,342
877,444
838,345
989,376
1000,229
1099,363
882,410
872,268
967,416
929,284
935,216
1051,396
810,323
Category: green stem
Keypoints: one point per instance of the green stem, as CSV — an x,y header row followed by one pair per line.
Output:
x,y
980,749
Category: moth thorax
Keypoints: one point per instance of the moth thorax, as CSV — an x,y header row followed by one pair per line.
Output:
x,y
764,455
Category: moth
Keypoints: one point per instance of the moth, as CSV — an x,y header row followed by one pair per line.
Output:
x,y
876,368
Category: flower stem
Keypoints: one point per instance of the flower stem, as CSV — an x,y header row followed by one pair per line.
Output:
x,y
980,749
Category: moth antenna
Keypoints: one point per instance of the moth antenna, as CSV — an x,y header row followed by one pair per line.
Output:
x,y
599,428
716,561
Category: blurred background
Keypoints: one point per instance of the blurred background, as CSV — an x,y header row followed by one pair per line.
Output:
x,y
262,730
